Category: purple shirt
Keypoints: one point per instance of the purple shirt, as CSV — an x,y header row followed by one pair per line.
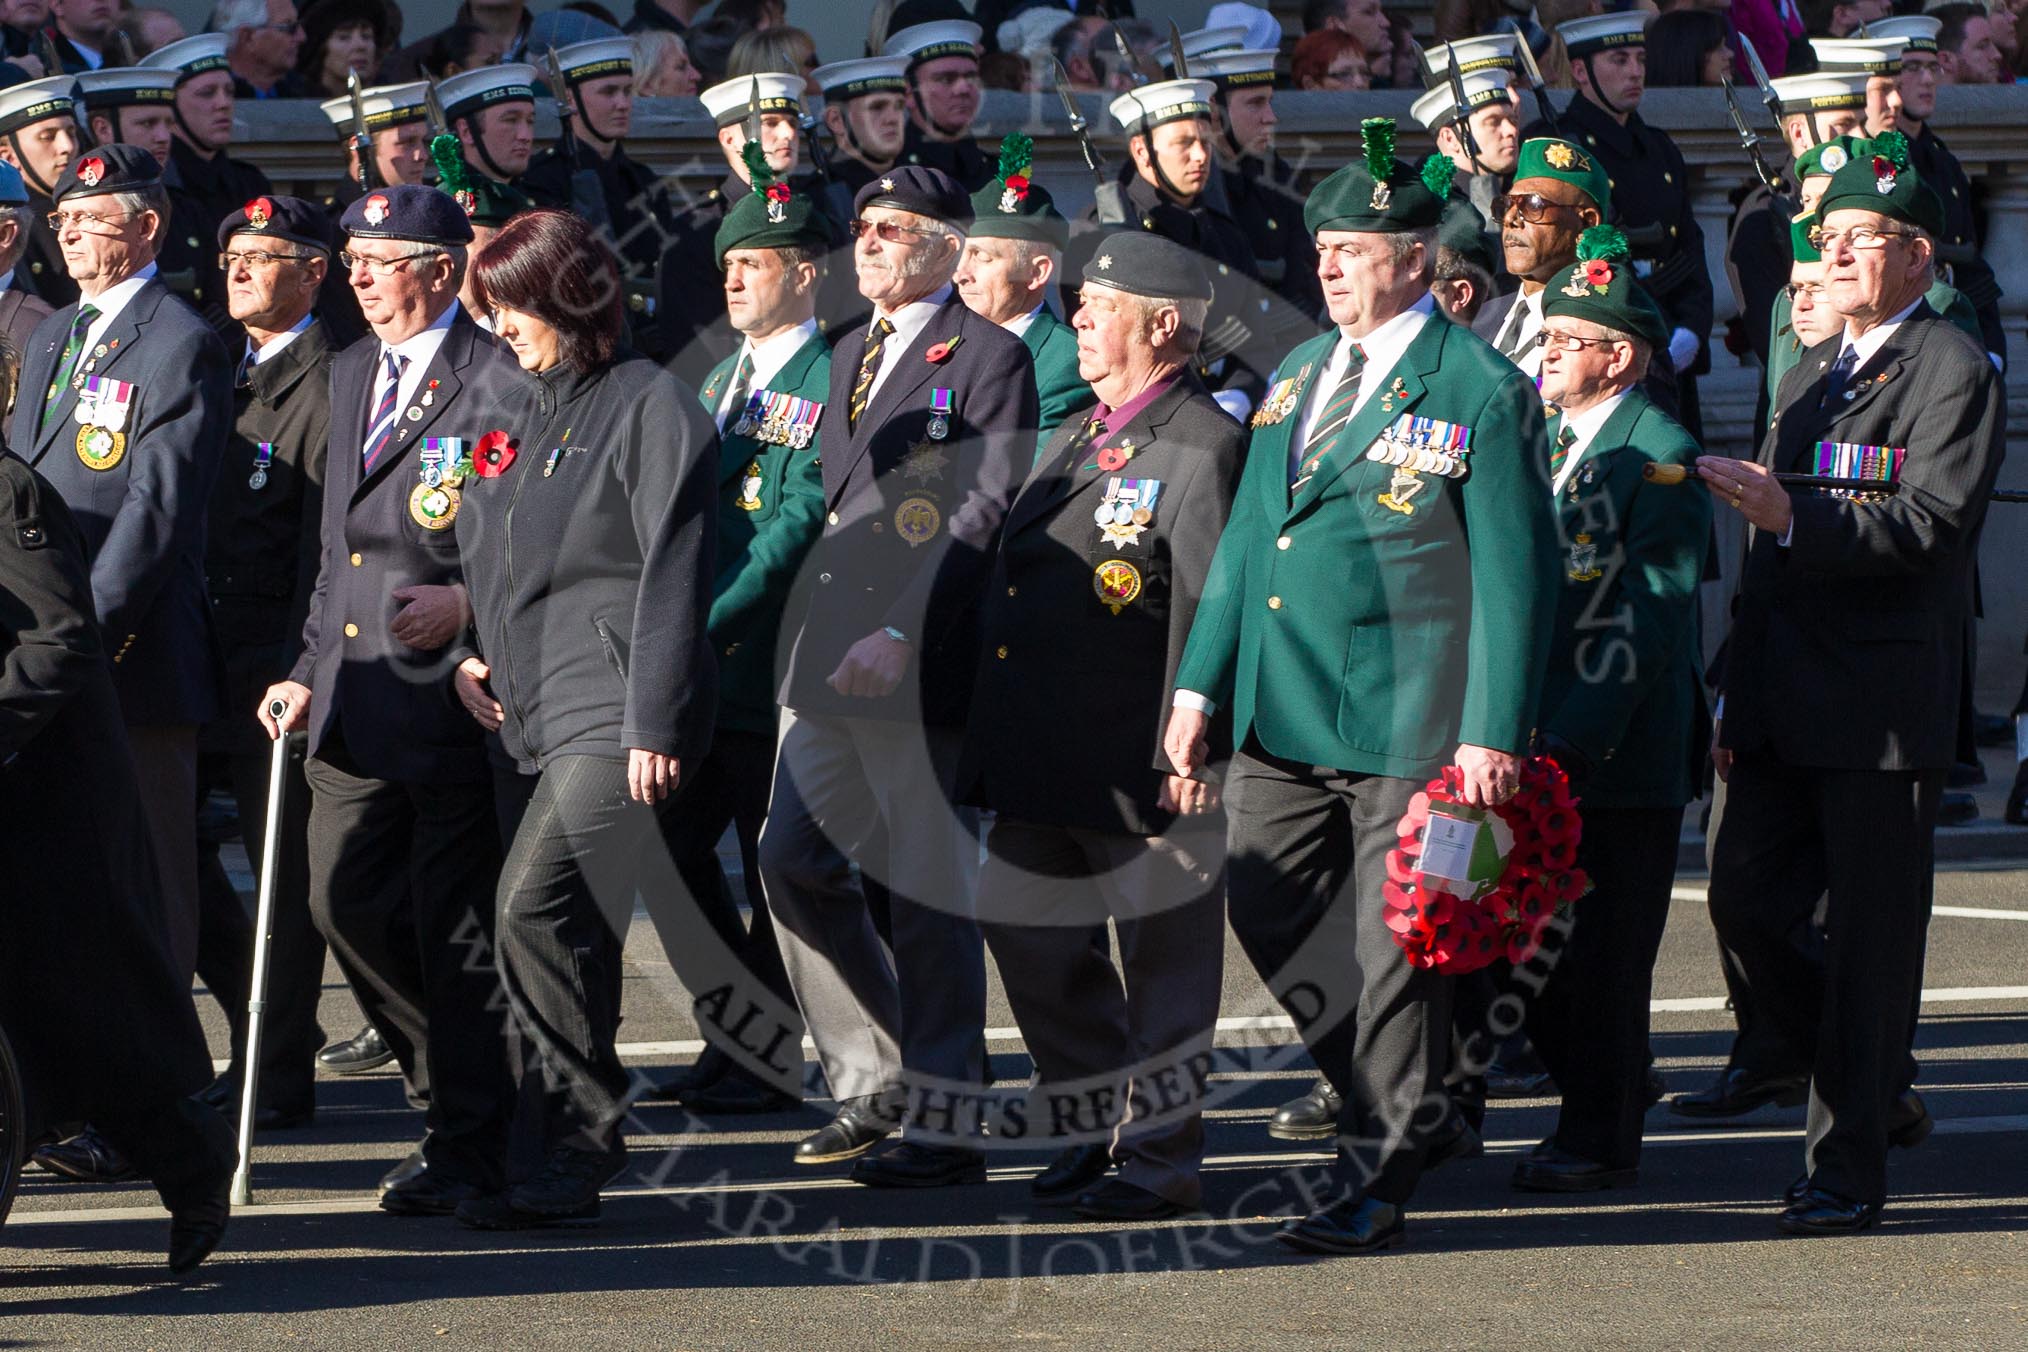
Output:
x,y
1116,419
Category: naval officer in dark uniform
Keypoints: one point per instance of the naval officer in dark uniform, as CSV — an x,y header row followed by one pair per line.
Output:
x,y
1103,559
402,815
1648,182
1832,787
491,110
929,428
620,194
397,124
866,112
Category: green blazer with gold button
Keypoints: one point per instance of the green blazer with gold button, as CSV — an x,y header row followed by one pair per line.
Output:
x,y
1053,345
770,510
1622,684
1373,617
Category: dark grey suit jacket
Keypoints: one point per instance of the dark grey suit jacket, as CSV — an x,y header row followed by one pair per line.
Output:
x,y
1847,645
143,517
1073,695
910,521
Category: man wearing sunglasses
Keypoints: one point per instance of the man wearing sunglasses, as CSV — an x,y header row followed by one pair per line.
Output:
x,y
125,399
404,847
929,429
1560,190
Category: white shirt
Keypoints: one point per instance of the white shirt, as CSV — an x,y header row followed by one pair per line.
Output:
x,y
769,357
1383,347
6,279
111,301
421,350
272,348
1876,337
1018,325
1520,326
96,60
909,321
1587,426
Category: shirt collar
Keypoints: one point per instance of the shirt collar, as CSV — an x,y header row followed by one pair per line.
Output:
x,y
118,296
1116,420
421,347
1875,338
1018,325
912,318
272,348
772,354
1589,423
1384,345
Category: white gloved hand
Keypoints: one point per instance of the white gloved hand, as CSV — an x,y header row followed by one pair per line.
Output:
x,y
1683,347
1234,402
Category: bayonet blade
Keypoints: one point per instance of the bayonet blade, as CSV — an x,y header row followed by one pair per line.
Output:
x,y
753,114
1070,109
1127,57
1461,110
1544,109
1176,57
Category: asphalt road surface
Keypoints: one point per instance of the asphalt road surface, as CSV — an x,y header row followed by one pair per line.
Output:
x,y
715,1240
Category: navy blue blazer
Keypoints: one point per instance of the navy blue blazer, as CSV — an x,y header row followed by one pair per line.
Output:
x,y
390,704
143,513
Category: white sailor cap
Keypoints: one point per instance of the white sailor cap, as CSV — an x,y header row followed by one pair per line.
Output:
x,y
1146,108
594,60
1236,69
470,91
1474,55
1599,32
1436,107
842,81
1874,55
1917,30
1203,42
36,101
779,93
1821,91
927,41
191,57
385,105
126,86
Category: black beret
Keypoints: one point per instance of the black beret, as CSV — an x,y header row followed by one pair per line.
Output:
x,y
921,189
279,217
1149,265
110,168
407,211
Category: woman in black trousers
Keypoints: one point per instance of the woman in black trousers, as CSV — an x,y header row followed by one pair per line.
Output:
x,y
586,535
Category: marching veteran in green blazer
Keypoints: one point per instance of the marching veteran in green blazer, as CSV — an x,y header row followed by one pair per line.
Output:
x,y
1379,605
1013,258
1622,700
765,398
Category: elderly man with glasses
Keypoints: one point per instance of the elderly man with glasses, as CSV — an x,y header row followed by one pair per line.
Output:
x,y
929,430
404,848
1837,711
124,405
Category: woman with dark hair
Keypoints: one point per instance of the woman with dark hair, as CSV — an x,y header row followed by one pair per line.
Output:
x,y
1688,47
341,36
585,526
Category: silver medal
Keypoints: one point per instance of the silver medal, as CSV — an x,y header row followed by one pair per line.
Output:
x,y
257,480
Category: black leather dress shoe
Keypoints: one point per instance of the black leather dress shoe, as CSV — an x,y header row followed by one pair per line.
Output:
x,y
909,1165
222,1093
861,1124
1796,1190
734,1093
1818,1212
568,1182
1550,1168
411,1167
363,1051
198,1223
1955,807
2017,797
1313,1117
711,1066
1118,1200
1908,1121
1072,1172
85,1158
428,1194
1355,1225
1460,1142
272,1118
1738,1091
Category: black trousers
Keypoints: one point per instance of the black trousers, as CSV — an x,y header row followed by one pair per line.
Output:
x,y
401,886
1308,854
565,897
682,881
1589,1021
290,1034
1758,1045
1862,841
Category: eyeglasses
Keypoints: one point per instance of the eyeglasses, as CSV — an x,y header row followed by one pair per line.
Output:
x,y
83,220
891,231
1570,342
256,258
1797,290
382,267
292,26
1859,237
1533,206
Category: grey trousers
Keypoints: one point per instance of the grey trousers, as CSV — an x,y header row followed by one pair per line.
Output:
x,y
845,787
1045,895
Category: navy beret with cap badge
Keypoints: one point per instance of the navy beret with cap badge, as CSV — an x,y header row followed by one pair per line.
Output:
x,y
408,211
110,168
920,189
1014,206
1377,193
1146,264
280,217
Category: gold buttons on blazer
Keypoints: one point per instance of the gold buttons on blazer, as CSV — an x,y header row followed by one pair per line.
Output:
x,y
1274,603
1001,652
352,631
1012,590
358,559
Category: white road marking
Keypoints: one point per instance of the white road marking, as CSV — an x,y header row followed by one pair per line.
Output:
x,y
1699,892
